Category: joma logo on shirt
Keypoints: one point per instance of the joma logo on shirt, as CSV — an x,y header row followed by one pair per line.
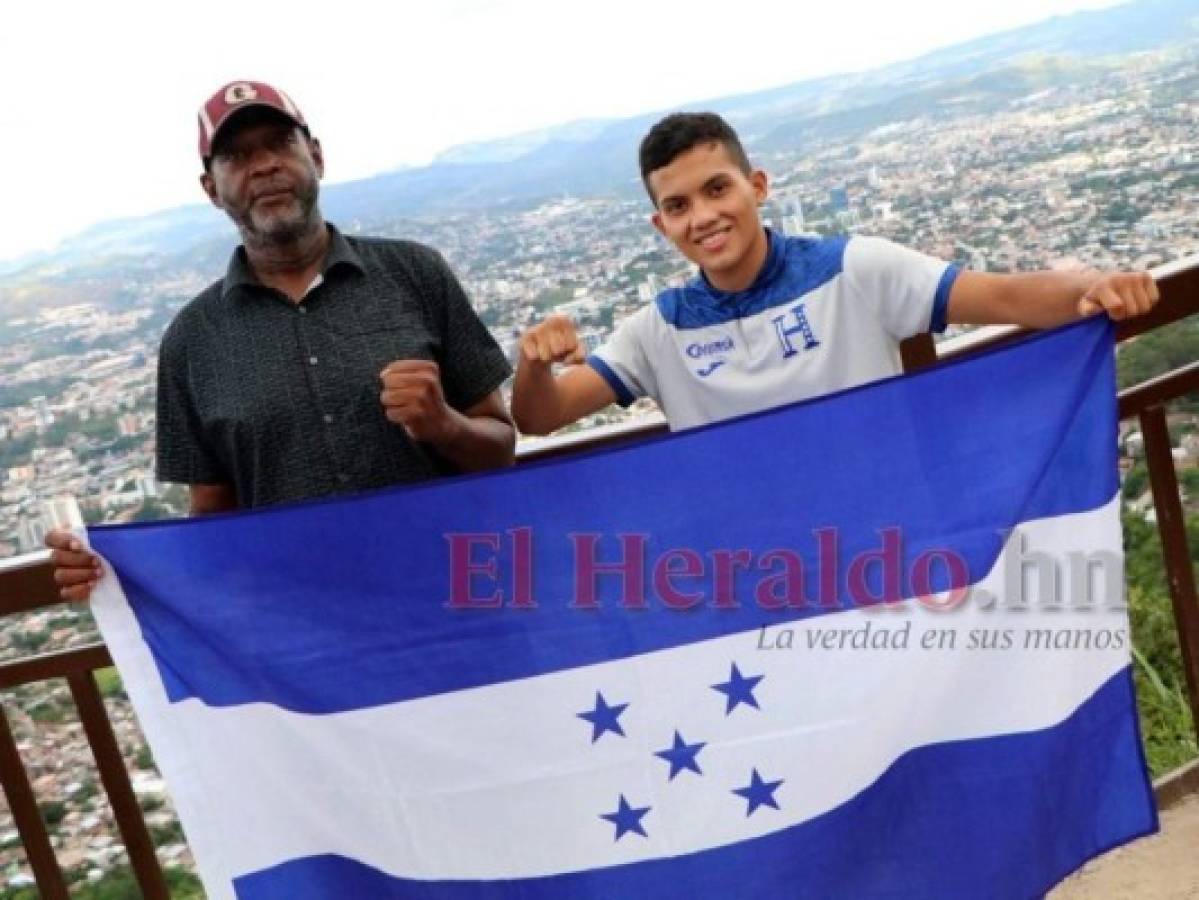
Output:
x,y
721,345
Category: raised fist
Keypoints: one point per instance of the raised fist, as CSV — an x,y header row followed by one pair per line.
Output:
x,y
554,340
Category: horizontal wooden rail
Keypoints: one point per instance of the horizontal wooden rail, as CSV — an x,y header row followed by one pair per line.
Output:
x,y
27,583
62,664
1159,391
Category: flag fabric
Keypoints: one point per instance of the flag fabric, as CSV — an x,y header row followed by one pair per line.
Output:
x,y
867,646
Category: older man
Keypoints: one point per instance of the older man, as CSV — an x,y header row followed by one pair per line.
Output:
x,y
320,363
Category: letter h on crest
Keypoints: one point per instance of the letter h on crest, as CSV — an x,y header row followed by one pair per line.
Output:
x,y
802,327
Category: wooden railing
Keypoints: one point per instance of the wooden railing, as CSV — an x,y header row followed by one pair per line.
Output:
x,y
26,584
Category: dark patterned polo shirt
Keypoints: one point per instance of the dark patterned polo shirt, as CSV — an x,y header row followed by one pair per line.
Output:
x,y
281,399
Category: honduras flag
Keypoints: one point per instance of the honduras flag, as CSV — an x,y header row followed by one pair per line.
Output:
x,y
867,646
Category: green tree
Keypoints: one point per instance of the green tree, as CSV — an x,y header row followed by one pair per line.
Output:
x,y
120,884
144,758
1166,725
153,509
109,683
1189,480
1159,351
52,811
1135,481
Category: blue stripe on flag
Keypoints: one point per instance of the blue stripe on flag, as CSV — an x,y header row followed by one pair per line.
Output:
x,y
955,456
968,809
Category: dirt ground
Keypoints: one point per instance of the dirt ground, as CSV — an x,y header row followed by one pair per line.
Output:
x,y
1162,867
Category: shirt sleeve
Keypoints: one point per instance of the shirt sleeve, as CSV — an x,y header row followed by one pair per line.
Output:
x,y
472,363
908,291
183,454
622,360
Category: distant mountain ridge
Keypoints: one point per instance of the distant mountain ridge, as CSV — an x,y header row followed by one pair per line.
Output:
x,y
592,157
507,149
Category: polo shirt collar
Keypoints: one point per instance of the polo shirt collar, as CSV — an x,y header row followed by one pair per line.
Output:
x,y
340,252
238,274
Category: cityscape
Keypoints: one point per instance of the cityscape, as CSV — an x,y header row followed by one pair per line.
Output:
x,y
1099,174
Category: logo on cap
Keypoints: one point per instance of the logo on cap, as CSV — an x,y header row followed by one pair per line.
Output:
x,y
240,93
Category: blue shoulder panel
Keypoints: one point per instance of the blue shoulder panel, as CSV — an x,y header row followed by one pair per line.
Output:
x,y
795,266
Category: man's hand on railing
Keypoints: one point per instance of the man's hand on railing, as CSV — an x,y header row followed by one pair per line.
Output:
x,y
1122,295
76,569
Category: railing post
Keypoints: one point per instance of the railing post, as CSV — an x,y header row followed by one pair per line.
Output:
x,y
918,352
115,779
25,812
1180,575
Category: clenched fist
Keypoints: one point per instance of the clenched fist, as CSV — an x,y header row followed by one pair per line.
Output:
x,y
413,398
1121,295
554,340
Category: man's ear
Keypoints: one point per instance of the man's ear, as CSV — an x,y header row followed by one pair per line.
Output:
x,y
761,185
656,220
209,187
318,156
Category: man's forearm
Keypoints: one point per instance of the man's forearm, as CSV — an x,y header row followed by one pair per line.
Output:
x,y
480,442
205,499
536,406
1046,299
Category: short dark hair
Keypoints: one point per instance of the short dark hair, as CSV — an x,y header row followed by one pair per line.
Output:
x,y
678,133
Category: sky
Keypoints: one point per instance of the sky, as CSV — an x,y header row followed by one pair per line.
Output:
x,y
98,119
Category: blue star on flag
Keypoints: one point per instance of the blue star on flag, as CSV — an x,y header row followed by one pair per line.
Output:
x,y
604,718
759,793
682,756
627,818
739,689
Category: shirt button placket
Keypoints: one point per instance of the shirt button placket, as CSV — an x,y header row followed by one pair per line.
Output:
x,y
313,361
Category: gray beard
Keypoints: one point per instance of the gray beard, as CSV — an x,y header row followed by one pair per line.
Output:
x,y
284,232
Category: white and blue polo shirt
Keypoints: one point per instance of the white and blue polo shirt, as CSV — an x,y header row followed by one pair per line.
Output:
x,y
822,315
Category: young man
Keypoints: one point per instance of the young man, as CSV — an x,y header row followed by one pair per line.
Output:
x,y
320,363
772,319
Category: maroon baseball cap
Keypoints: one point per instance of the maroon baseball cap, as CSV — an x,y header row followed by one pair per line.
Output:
x,y
232,99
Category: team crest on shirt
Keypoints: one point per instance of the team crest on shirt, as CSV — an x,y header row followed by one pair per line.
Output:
x,y
710,354
794,331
